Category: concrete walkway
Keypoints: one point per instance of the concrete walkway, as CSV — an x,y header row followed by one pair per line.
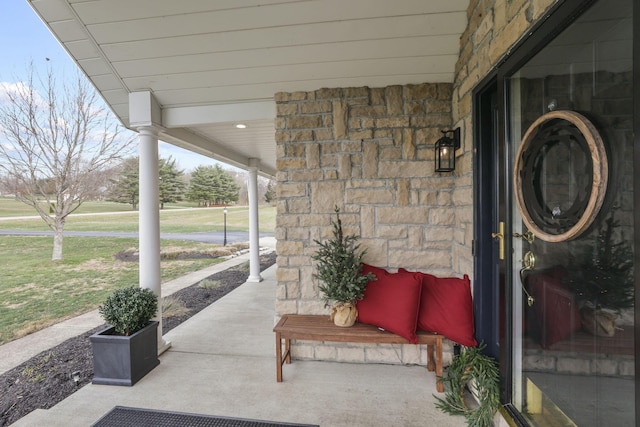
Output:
x,y
222,362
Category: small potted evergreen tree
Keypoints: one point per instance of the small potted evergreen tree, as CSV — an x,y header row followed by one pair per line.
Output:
x,y
602,279
339,271
127,350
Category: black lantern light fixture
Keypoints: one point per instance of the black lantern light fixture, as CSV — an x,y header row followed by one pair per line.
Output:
x,y
446,150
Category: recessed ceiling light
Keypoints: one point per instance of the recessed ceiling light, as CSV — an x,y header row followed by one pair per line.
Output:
x,y
241,126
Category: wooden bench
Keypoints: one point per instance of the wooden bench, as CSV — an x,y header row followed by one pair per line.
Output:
x,y
320,328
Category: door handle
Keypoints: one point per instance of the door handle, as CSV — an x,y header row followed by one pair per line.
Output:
x,y
528,236
500,236
528,264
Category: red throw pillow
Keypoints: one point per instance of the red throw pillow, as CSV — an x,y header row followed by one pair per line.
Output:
x,y
366,268
446,308
391,302
556,311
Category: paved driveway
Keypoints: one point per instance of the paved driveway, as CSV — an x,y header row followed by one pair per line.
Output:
x,y
212,237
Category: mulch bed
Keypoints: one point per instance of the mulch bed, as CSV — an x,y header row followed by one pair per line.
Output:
x,y
46,379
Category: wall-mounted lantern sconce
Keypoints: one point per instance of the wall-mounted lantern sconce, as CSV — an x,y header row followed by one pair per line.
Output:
x,y
446,150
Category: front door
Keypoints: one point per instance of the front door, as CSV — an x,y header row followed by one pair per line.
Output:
x,y
562,185
489,213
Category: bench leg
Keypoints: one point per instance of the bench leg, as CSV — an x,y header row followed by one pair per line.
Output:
x,y
434,362
439,372
431,366
287,351
279,357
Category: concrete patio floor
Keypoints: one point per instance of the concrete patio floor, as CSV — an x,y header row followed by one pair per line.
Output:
x,y
222,362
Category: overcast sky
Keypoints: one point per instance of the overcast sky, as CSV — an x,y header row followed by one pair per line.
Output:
x,y
25,39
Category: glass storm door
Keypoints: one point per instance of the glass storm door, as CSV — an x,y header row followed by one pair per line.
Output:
x,y
570,151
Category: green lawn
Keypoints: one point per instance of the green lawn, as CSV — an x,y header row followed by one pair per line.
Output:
x,y
172,220
12,207
35,293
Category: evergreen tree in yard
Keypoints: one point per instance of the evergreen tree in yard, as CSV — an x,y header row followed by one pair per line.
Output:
x,y
126,187
212,185
227,191
201,186
172,187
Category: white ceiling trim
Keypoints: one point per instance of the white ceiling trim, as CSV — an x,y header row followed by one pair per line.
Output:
x,y
173,117
210,64
335,33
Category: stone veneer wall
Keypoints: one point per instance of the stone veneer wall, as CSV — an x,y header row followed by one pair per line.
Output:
x,y
370,152
493,28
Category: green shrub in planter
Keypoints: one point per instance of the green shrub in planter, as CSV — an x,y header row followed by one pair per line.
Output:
x,y
129,309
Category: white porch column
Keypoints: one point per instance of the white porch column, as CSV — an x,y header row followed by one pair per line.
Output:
x,y
149,222
254,230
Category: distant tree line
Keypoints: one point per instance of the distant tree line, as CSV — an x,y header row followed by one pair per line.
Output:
x,y
205,185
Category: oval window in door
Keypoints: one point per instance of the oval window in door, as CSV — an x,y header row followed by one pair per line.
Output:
x,y
560,175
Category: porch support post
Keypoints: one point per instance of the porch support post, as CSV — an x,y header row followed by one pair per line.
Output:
x,y
145,115
149,222
254,231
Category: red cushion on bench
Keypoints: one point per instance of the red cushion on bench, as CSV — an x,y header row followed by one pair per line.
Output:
x,y
391,302
446,307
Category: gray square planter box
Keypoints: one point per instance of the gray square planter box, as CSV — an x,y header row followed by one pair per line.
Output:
x,y
121,360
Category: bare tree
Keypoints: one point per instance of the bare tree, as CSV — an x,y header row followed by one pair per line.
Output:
x,y
56,141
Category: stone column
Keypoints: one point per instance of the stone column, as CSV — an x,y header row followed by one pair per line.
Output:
x,y
149,222
254,230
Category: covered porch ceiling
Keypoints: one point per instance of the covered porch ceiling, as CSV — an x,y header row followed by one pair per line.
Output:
x,y
214,64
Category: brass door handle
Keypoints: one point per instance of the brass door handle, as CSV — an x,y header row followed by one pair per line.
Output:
x,y
500,236
528,264
528,236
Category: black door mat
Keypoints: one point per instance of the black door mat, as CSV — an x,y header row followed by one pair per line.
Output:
x,y
121,416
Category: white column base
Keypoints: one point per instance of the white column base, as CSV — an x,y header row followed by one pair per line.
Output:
x,y
163,346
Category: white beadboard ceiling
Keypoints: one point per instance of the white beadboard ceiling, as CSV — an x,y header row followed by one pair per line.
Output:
x,y
213,63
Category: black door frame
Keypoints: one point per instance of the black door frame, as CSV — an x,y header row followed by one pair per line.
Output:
x,y
485,186
486,282
636,195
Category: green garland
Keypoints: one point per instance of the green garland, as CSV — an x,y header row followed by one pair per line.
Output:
x,y
471,364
